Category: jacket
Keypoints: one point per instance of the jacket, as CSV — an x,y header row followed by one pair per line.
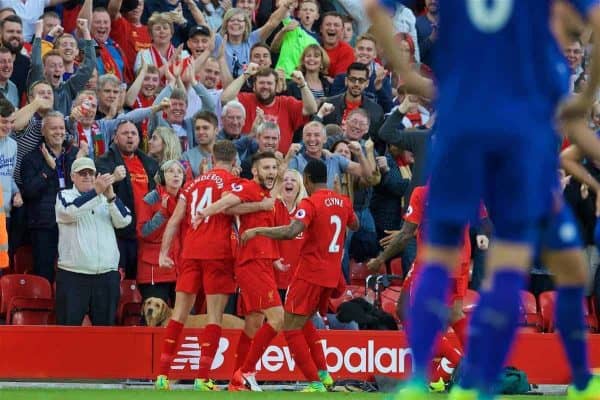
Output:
x,y
107,164
86,234
151,223
41,184
373,109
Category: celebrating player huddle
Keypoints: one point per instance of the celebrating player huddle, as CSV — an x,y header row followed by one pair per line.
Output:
x,y
229,241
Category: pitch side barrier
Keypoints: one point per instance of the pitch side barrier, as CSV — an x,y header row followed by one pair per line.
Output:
x,y
54,352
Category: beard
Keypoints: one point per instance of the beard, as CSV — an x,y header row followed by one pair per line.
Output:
x,y
266,101
13,49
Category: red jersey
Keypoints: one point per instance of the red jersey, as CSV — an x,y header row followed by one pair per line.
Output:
x,y
286,112
325,215
340,58
288,249
415,215
130,38
259,247
212,239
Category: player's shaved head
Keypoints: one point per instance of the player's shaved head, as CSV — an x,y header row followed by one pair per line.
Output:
x,y
316,172
224,151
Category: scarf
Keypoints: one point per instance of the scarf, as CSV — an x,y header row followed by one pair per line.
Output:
x,y
110,65
157,59
97,138
141,102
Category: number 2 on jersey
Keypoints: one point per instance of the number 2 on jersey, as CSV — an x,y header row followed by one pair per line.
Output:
x,y
205,201
333,246
489,16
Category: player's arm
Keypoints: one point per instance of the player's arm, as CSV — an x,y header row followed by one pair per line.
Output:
x,y
224,203
284,232
570,160
246,208
170,230
382,28
354,225
398,244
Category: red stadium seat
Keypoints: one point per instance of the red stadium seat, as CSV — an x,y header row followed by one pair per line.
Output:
x,y
358,272
129,294
469,302
30,311
531,317
132,314
547,304
389,301
23,260
21,285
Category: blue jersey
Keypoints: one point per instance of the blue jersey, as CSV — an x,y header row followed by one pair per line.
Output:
x,y
496,58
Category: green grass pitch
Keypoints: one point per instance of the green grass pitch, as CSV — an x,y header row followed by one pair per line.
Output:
x,y
86,394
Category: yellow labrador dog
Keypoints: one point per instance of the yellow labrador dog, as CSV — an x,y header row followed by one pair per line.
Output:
x,y
157,313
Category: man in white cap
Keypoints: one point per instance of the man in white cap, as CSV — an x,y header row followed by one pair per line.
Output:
x,y
87,280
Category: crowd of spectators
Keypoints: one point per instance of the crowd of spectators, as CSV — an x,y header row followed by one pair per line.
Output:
x,y
138,91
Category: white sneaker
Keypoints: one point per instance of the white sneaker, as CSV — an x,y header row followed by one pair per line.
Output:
x,y
250,380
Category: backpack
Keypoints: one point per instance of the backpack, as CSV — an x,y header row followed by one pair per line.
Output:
x,y
511,381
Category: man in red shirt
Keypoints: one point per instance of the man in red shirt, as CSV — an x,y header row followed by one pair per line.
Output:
x,y
253,269
414,224
208,262
323,217
127,28
340,53
286,111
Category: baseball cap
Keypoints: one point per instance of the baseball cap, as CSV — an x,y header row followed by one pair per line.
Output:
x,y
199,30
83,163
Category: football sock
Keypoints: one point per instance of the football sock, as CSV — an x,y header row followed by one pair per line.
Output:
x,y
259,344
427,316
209,343
301,354
460,328
314,344
495,328
446,349
242,349
570,323
170,342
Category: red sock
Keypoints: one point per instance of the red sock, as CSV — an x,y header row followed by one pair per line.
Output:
x,y
169,346
446,349
259,344
242,349
314,344
209,343
460,327
299,350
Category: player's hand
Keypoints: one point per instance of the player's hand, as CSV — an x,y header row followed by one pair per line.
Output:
x,y
280,266
267,203
483,242
374,264
247,235
197,219
119,173
387,240
164,261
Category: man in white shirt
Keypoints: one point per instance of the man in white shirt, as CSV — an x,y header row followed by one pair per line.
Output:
x,y
29,11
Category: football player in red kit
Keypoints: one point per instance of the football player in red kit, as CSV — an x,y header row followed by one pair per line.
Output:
x,y
254,269
323,218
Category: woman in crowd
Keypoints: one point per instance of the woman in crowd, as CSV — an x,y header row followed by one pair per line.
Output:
x,y
153,214
314,64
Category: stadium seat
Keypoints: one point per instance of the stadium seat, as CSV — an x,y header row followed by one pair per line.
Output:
x,y
389,301
132,314
351,292
30,311
23,260
547,302
530,316
469,302
21,285
358,272
129,294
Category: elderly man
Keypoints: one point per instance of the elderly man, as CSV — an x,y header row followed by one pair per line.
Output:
x,y
87,280
234,119
267,139
133,173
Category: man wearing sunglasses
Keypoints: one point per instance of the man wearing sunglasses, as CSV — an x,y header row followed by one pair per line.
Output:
x,y
356,82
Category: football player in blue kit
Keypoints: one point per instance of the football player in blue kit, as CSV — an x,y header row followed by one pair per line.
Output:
x,y
500,77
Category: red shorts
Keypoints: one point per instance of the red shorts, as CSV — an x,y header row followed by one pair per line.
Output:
x,y
256,280
458,284
215,276
306,298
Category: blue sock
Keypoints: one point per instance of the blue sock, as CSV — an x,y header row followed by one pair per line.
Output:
x,y
428,315
501,320
573,333
493,329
